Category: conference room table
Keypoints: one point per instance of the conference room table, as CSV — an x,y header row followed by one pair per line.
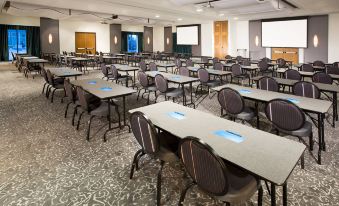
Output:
x,y
315,106
317,68
36,61
177,79
327,88
107,91
201,63
270,157
306,74
211,72
81,62
164,65
64,72
127,68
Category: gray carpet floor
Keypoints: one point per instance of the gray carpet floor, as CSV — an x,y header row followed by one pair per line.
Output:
x,y
46,161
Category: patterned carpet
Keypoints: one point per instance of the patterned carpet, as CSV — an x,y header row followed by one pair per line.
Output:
x,y
45,161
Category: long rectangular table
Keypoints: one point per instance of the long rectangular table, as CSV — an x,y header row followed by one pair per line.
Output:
x,y
212,72
316,106
127,68
263,154
106,91
65,72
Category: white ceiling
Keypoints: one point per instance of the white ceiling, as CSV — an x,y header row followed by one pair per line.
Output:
x,y
169,11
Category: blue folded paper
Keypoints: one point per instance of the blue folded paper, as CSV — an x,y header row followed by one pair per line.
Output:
x,y
245,91
92,82
234,137
177,115
175,77
106,89
295,101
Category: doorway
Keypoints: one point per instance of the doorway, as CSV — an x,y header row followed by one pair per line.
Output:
x,y
289,54
85,42
17,42
132,43
220,39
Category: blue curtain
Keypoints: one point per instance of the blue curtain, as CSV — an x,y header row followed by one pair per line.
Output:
x,y
183,49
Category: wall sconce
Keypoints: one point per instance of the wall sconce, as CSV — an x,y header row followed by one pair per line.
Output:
x,y
167,41
256,40
115,40
315,41
50,38
148,40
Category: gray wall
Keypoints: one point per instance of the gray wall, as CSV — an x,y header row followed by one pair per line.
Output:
x,y
148,33
168,34
49,26
115,30
256,52
196,49
317,25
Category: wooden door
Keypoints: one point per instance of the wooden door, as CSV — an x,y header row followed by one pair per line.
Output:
x,y
289,54
220,39
85,41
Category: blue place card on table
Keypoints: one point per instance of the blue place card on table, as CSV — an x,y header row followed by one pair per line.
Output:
x,y
176,77
245,91
234,137
177,115
92,82
295,101
106,89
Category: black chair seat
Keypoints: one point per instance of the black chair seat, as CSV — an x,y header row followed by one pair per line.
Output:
x,y
174,92
305,131
246,115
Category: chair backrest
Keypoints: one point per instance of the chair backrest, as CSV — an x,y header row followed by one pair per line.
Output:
x,y
236,69
114,71
143,66
318,63
189,63
215,60
204,59
218,66
307,68
69,90
143,79
161,83
81,94
44,75
263,65
231,101
104,69
239,58
152,66
332,70
50,77
292,74
206,169
145,133
246,62
268,84
306,89
203,75
265,59
281,62
178,63
336,65
228,57
285,114
183,71
322,77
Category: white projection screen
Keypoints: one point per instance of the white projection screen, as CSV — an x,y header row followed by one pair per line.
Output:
x,y
188,35
287,33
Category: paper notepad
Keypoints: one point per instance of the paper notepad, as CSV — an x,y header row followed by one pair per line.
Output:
x,y
234,137
92,82
245,91
177,115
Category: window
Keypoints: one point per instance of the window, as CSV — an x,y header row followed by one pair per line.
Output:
x,y
132,43
16,42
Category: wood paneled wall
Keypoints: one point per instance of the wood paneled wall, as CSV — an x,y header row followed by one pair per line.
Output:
x,y
220,38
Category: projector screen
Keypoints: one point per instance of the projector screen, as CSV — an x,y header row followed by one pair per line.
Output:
x,y
187,35
287,33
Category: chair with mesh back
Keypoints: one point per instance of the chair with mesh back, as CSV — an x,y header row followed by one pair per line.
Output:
x,y
307,68
189,63
146,85
159,146
94,109
183,71
282,63
292,74
205,81
152,66
169,92
238,73
55,84
218,178
288,118
264,68
319,63
233,103
268,84
218,66
322,77
306,89
143,66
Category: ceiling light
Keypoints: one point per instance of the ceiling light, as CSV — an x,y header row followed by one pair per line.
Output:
x,y
157,16
221,14
199,10
235,18
179,19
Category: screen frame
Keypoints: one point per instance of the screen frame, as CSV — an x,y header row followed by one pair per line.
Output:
x,y
190,25
287,19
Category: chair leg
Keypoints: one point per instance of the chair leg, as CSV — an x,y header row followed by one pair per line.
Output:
x,y
159,183
183,194
138,94
134,163
311,141
89,127
78,124
67,106
52,98
260,194
149,93
43,89
302,160
74,113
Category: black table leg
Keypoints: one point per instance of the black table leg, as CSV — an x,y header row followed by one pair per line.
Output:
x,y
320,137
109,120
257,111
285,194
183,95
273,201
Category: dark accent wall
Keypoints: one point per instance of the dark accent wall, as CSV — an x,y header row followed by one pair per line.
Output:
x,y
196,49
317,25
148,33
115,31
47,27
168,34
256,52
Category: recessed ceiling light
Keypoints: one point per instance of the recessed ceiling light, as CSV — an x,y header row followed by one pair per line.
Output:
x,y
235,18
157,16
199,10
221,14
179,19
